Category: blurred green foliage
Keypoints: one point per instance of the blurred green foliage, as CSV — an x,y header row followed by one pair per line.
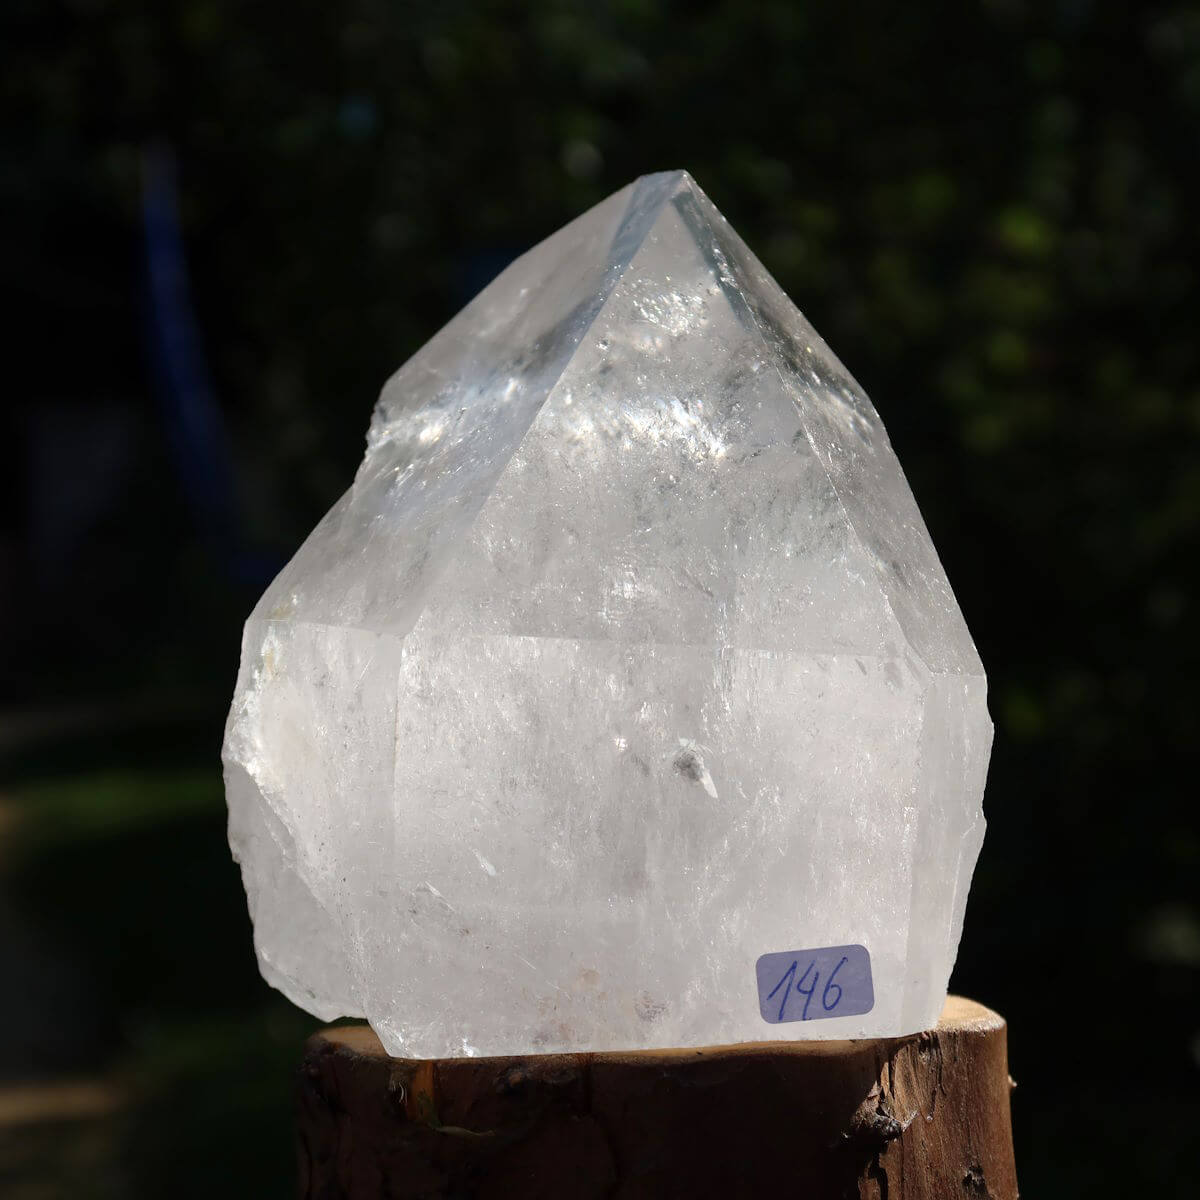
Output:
x,y
988,211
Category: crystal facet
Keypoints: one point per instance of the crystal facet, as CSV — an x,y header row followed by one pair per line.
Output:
x,y
625,660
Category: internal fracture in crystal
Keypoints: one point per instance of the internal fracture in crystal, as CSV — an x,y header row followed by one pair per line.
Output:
x,y
625,659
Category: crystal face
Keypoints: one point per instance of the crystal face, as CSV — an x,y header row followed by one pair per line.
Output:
x,y
625,660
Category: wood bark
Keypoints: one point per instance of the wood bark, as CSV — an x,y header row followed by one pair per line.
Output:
x,y
924,1117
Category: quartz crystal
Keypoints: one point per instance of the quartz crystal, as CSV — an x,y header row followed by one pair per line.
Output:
x,y
625,660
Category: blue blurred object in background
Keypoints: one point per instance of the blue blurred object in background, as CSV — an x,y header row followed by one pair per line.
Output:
x,y
986,209
193,419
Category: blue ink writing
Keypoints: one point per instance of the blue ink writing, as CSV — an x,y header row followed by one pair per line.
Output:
x,y
838,976
830,984
812,987
785,983
788,976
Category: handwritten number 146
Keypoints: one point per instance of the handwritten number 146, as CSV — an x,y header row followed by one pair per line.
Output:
x,y
789,977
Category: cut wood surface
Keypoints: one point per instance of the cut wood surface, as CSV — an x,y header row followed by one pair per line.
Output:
x,y
908,1118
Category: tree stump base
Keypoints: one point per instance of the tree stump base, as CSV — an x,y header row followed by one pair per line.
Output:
x,y
909,1118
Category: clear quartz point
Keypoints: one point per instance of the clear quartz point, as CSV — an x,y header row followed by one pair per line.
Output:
x,y
625,660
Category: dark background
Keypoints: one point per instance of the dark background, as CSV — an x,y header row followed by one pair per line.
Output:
x,y
225,224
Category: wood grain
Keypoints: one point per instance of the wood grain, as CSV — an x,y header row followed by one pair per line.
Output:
x,y
910,1118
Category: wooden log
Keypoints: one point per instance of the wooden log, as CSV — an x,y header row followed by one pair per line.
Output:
x,y
912,1118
